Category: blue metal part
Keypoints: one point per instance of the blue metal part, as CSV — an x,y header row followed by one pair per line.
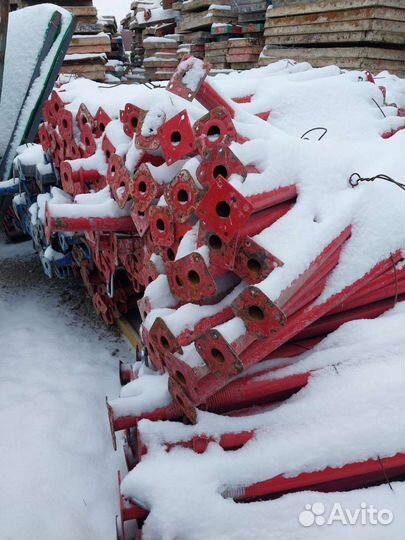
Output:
x,y
9,190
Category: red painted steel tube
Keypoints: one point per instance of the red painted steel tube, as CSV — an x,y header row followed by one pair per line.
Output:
x,y
84,118
128,509
183,196
119,423
149,143
241,393
224,254
144,189
65,124
238,255
72,150
215,128
351,476
66,224
102,119
238,394
108,147
87,140
196,284
264,316
200,90
165,340
70,177
218,162
391,291
261,349
214,349
193,279
129,118
161,223
44,137
177,138
225,211
388,284
330,323
120,186
300,320
199,443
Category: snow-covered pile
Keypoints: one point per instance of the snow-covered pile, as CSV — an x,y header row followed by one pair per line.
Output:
x,y
306,131
349,411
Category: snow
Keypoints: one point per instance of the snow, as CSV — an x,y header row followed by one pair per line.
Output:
x,y
89,205
32,23
29,154
57,466
142,395
85,56
194,72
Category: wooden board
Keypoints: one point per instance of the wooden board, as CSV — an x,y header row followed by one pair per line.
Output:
x,y
89,49
334,52
79,40
337,16
344,26
242,58
251,17
88,28
375,67
245,42
204,19
79,69
330,5
82,11
201,5
393,38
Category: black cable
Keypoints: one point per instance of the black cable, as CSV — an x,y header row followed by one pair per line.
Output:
x,y
382,112
325,131
355,179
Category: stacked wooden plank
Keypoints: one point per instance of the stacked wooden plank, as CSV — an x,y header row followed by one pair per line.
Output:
x,y
217,55
89,63
202,14
192,49
110,27
244,39
152,57
244,52
252,11
160,60
137,50
90,66
86,55
90,44
353,34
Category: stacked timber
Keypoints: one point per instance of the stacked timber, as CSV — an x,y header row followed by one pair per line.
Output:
x,y
353,34
90,66
244,52
160,60
251,11
193,43
151,57
202,14
137,50
86,56
110,27
90,44
217,55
